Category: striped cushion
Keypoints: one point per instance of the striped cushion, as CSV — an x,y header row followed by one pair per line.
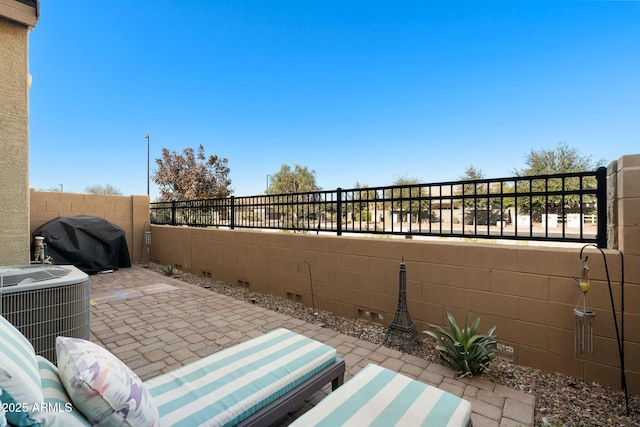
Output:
x,y
60,410
3,418
228,386
18,367
377,396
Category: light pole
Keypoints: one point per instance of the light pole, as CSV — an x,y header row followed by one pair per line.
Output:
x,y
147,136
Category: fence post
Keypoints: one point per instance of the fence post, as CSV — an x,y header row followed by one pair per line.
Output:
x,y
339,211
173,212
233,212
601,196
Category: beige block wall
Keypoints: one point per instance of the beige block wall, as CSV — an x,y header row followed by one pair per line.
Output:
x,y
628,216
131,213
14,143
528,292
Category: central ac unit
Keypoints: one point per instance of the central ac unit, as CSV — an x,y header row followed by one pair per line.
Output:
x,y
44,302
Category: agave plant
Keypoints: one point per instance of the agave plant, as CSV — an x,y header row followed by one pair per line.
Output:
x,y
168,270
463,349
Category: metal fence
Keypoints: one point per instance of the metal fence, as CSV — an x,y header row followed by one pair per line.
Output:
x,y
566,207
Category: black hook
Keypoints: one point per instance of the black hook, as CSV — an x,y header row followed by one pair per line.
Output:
x,y
586,257
313,303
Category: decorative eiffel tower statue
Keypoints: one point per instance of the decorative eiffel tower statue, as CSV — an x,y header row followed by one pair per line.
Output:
x,y
401,332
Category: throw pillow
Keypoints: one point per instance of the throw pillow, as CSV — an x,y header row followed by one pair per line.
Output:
x,y
104,389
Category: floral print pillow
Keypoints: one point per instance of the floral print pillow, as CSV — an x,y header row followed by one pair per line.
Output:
x,y
103,388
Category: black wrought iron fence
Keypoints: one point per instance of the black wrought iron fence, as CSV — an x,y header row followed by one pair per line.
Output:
x,y
568,207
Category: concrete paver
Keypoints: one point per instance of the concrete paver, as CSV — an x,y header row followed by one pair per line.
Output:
x,y
155,324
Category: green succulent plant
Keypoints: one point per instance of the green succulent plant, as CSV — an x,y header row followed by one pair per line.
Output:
x,y
168,270
463,349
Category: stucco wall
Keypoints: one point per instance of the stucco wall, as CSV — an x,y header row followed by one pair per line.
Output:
x,y
14,143
131,213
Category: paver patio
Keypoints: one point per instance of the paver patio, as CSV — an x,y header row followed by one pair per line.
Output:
x,y
155,323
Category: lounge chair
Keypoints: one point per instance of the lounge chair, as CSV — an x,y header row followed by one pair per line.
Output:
x,y
273,373
256,383
253,383
377,396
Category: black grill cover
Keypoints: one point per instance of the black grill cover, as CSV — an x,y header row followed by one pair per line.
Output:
x,y
90,243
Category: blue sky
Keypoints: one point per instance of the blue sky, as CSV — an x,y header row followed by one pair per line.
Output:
x,y
359,91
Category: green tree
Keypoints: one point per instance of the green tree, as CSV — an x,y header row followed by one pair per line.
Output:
x,y
295,188
561,159
192,175
364,195
472,173
469,191
298,180
106,190
407,196
361,202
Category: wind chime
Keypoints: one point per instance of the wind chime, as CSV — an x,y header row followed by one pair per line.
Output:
x,y
583,326
584,316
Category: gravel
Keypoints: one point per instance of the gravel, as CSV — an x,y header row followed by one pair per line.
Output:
x,y
561,400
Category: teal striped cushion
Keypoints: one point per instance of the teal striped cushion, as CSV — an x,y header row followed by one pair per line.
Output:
x,y
377,396
60,408
18,367
228,386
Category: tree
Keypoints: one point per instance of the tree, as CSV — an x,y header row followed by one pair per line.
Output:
x,y
364,195
105,190
561,159
361,202
192,175
287,185
407,198
472,173
298,180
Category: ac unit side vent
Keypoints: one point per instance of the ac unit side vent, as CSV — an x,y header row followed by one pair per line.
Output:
x,y
43,314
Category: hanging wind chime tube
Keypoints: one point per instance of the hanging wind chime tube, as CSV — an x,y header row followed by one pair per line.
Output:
x,y
584,286
583,324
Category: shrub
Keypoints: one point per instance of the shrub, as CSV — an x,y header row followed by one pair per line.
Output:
x,y
168,270
463,349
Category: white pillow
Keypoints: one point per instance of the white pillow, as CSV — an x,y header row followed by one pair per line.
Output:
x,y
104,389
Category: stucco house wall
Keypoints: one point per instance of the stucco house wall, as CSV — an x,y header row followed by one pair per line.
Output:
x,y
16,20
